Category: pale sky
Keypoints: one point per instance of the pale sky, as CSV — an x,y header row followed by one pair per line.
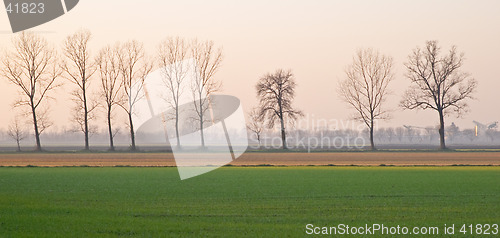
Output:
x,y
316,39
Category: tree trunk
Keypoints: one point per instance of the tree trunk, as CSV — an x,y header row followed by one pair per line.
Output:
x,y
18,146
35,123
110,131
441,130
201,124
86,120
283,134
372,144
132,133
282,122
177,126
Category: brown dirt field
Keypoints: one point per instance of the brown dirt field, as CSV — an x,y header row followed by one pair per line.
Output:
x,y
249,159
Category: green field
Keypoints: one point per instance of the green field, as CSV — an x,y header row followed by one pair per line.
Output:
x,y
235,201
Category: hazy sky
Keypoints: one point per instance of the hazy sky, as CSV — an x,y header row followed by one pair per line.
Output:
x,y
316,39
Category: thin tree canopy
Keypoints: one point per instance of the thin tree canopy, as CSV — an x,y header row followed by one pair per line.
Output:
x,y
276,93
33,68
366,87
438,83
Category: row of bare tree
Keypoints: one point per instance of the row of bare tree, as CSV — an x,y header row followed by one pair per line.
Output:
x,y
173,52
388,137
437,83
120,71
34,66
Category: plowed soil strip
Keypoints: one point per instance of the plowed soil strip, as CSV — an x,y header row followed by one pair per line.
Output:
x,y
254,159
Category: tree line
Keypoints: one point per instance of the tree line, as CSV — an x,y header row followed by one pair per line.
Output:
x,y
35,67
437,83
119,72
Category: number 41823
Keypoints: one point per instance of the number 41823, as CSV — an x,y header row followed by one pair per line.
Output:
x,y
26,8
480,229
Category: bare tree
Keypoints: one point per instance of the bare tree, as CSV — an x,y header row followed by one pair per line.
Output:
x,y
276,92
431,132
79,71
410,133
438,83
381,134
399,133
365,88
171,54
452,132
134,67
32,67
17,132
108,64
256,124
470,134
207,61
390,133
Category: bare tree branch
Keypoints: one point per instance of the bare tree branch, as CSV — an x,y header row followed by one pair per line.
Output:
x,y
256,124
134,66
17,132
33,67
207,59
366,87
171,54
79,71
108,64
437,83
276,92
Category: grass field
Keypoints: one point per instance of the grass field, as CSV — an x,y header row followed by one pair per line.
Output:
x,y
235,201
